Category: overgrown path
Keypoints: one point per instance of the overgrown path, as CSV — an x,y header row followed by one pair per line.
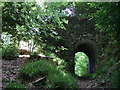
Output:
x,y
10,67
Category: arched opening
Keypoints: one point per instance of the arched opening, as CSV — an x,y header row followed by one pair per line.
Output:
x,y
81,64
89,50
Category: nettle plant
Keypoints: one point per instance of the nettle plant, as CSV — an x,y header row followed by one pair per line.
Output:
x,y
81,64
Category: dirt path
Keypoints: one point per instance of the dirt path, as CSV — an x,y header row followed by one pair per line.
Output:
x,y
10,69
87,83
84,83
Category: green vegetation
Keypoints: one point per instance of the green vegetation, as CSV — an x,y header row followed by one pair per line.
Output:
x,y
8,47
16,85
81,66
106,18
43,68
43,24
33,69
38,23
115,80
62,80
60,62
9,52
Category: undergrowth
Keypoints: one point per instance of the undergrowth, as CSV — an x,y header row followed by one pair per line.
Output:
x,y
55,78
9,52
107,71
34,69
15,86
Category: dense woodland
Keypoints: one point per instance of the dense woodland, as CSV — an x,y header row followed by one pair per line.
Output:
x,y
41,23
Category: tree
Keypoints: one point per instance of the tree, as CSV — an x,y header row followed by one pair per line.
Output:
x,y
27,21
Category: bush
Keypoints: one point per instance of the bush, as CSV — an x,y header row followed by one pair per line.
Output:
x,y
16,86
55,77
62,80
41,67
115,79
60,62
9,52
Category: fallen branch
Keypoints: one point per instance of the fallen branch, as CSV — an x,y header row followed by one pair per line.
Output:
x,y
40,80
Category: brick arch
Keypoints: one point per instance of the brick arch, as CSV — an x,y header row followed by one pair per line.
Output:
x,y
90,50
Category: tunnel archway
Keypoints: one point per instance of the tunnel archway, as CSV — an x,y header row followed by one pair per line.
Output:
x,y
90,51
81,64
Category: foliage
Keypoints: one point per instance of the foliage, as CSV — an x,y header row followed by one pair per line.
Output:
x,y
31,70
42,22
115,78
62,80
34,53
107,16
9,52
30,20
36,22
61,64
15,85
55,77
81,64
9,48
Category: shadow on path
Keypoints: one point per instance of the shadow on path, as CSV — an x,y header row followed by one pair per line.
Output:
x,y
86,82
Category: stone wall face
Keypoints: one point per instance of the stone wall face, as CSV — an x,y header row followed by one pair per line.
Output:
x,y
80,32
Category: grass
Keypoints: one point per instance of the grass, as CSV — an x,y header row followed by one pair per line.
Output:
x,y
34,69
16,85
62,80
55,78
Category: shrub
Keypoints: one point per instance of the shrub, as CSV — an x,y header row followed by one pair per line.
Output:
x,y
55,77
115,79
16,85
62,80
41,67
9,52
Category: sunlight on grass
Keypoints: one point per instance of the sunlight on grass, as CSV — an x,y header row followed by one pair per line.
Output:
x,y
81,64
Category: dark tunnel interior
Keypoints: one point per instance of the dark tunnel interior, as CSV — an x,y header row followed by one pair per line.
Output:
x,y
89,50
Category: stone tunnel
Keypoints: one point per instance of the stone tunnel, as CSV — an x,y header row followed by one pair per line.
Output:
x,y
90,50
80,36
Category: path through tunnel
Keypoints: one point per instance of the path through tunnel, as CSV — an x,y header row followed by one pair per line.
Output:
x,y
89,50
